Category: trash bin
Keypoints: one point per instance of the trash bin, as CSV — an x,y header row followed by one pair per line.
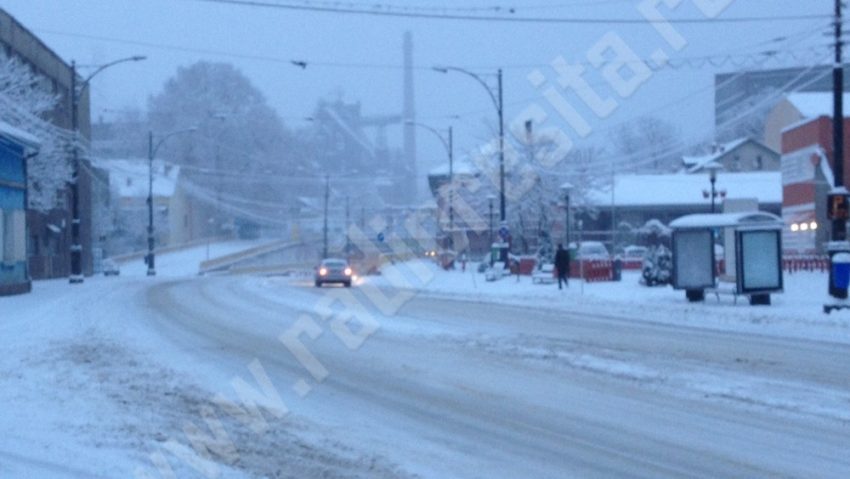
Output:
x,y
841,271
617,270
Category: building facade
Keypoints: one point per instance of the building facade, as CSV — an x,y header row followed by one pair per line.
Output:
x,y
739,156
807,177
49,232
15,146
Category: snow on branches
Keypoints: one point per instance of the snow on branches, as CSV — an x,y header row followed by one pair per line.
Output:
x,y
25,98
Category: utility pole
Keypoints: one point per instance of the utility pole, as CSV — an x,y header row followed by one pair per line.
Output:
x,y
451,181
77,90
347,219
76,275
839,230
325,227
838,196
502,215
150,257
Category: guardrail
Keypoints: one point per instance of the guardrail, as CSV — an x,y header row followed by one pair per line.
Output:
x,y
225,262
124,258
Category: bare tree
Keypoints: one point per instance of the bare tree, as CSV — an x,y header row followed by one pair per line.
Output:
x,y
648,145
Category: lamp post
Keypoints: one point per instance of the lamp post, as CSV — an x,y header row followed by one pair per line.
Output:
x,y
77,90
713,167
325,221
151,259
498,102
566,188
449,145
490,200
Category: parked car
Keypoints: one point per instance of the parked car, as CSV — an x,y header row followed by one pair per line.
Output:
x,y
333,270
633,256
110,268
592,250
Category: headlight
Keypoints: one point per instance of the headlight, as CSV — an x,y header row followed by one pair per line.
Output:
x,y
323,271
348,271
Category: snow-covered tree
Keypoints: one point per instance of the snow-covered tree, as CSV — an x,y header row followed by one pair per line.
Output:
x,y
233,120
239,151
647,145
25,98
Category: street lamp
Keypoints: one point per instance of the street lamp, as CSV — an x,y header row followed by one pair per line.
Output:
x,y
713,167
490,199
566,188
150,259
449,145
498,102
77,90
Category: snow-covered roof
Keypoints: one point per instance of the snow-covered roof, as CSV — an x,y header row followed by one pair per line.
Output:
x,y
19,136
694,163
728,220
683,189
129,177
814,104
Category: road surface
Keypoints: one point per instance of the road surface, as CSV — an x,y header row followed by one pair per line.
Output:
x,y
449,388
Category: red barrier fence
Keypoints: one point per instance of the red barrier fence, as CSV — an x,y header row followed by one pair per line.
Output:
x,y
593,270
793,264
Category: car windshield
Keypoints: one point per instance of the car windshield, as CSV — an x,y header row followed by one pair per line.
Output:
x,y
430,239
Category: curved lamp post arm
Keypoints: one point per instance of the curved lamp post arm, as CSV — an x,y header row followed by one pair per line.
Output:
x,y
435,132
85,82
169,135
477,78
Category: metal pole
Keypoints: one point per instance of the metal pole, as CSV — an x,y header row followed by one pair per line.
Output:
x,y
713,191
567,221
491,223
347,219
502,215
325,227
839,226
76,276
76,273
839,223
151,259
451,180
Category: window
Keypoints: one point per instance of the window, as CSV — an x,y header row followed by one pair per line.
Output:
x,y
12,233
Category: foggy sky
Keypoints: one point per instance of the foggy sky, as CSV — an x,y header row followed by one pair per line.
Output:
x,y
322,38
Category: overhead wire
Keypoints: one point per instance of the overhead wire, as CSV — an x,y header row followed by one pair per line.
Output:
x,y
385,10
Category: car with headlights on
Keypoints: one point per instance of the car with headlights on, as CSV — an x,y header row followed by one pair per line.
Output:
x,y
333,270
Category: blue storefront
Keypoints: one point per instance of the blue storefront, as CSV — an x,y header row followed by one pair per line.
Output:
x,y
15,145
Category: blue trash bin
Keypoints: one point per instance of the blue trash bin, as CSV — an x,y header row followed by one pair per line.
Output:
x,y
841,270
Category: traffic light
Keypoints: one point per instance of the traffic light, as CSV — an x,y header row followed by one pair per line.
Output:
x,y
838,206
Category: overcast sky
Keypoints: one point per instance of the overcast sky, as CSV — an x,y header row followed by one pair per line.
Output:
x,y
360,57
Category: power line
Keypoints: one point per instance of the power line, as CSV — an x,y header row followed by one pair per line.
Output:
x,y
384,10
695,62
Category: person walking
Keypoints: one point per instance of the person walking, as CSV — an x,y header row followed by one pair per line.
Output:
x,y
562,265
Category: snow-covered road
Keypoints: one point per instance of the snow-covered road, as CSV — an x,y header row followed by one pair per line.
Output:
x,y
449,388
429,386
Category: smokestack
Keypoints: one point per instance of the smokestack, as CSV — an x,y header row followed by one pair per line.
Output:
x,y
409,115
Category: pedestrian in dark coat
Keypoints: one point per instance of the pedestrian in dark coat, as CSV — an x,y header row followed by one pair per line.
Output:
x,y
562,265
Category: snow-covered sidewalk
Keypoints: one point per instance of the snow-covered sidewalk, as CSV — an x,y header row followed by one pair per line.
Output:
x,y
797,312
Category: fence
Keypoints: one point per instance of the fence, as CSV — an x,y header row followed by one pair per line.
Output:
x,y
593,270
796,263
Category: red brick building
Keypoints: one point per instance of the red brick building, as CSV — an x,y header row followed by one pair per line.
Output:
x,y
807,166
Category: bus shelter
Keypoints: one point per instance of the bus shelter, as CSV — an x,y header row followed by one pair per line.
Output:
x,y
753,255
